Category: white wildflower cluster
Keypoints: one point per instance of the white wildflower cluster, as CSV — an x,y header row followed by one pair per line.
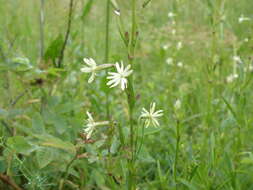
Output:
x,y
115,78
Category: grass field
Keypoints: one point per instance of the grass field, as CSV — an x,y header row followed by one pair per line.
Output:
x,y
62,129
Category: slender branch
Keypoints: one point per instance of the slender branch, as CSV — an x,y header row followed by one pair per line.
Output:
x,y
7,180
71,5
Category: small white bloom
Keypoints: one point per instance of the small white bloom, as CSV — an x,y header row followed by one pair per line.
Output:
x,y
151,115
237,59
246,40
91,125
117,12
171,14
250,68
165,47
235,75
232,77
180,64
119,77
92,68
179,45
169,61
173,31
242,19
177,104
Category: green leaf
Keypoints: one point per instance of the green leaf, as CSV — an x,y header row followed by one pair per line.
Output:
x,y
20,145
44,156
3,113
50,141
53,51
58,121
17,64
3,164
187,184
86,9
38,124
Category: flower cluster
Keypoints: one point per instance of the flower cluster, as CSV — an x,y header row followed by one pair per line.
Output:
x,y
114,79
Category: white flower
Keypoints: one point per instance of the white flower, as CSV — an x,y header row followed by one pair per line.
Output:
x,y
232,77
91,125
92,68
237,59
171,14
165,47
173,31
177,104
180,64
119,77
242,19
179,45
250,68
169,61
151,115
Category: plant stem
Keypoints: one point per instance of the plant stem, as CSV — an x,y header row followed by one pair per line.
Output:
x,y
66,173
107,45
177,150
131,100
61,56
42,6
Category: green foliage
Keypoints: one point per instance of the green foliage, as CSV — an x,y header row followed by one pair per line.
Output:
x,y
203,143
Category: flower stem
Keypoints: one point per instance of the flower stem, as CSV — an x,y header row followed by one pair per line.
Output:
x,y
107,45
177,151
42,6
131,101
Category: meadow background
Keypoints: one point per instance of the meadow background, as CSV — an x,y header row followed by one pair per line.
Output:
x,y
196,66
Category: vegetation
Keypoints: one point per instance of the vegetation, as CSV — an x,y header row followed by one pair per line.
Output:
x,y
131,95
